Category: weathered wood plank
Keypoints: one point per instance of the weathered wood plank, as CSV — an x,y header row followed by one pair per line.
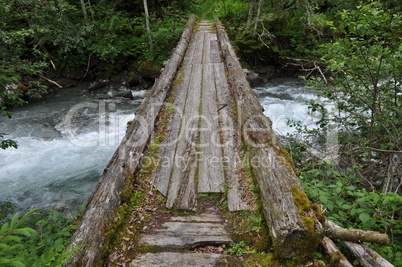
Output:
x,y
207,49
273,168
161,176
106,197
215,55
211,174
212,218
185,155
231,142
166,259
198,48
178,235
189,55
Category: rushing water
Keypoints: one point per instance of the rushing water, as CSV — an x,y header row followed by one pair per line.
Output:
x,y
284,99
66,140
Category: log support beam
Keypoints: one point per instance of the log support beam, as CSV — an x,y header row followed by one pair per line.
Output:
x,y
292,222
107,196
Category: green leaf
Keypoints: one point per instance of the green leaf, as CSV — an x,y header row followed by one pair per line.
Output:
x,y
323,199
364,217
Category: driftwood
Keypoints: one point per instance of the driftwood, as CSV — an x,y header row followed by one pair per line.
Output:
x,y
356,235
293,226
51,81
107,195
367,256
337,258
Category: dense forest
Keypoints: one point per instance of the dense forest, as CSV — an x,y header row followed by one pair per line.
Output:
x,y
349,52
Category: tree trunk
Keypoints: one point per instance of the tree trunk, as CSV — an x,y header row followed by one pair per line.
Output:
x,y
84,11
258,16
250,13
151,45
337,258
356,235
107,196
366,256
292,223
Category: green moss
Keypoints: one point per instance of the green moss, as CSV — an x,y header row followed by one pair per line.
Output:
x,y
261,259
303,243
286,160
127,189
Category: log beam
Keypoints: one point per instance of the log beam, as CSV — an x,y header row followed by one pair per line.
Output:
x,y
367,256
356,235
105,199
294,228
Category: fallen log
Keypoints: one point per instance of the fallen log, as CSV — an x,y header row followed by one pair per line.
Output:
x,y
367,256
337,258
291,219
108,194
356,235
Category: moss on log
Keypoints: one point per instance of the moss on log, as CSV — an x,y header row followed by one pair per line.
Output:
x,y
295,234
107,196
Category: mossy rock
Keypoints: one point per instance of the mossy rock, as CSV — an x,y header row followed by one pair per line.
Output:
x,y
149,69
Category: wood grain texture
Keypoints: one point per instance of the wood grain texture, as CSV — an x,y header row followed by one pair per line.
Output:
x,y
274,172
366,256
106,197
230,142
182,179
161,176
210,175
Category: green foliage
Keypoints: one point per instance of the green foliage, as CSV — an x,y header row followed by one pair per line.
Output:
x,y
35,239
256,223
6,143
238,249
348,204
365,63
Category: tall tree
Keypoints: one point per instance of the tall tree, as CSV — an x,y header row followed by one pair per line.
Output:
x,y
151,46
250,13
258,16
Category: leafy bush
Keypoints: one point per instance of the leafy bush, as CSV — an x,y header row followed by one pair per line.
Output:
x,y
35,239
348,204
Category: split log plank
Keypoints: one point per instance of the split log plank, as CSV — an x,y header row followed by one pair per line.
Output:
x,y
356,235
176,259
185,155
274,170
106,197
210,175
367,256
161,176
188,57
215,55
230,142
207,49
337,258
199,39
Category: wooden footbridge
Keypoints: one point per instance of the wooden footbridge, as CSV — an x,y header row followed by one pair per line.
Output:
x,y
190,137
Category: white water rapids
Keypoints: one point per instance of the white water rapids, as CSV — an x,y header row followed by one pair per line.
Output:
x,y
66,140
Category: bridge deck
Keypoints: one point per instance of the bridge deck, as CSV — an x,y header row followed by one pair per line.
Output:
x,y
199,150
